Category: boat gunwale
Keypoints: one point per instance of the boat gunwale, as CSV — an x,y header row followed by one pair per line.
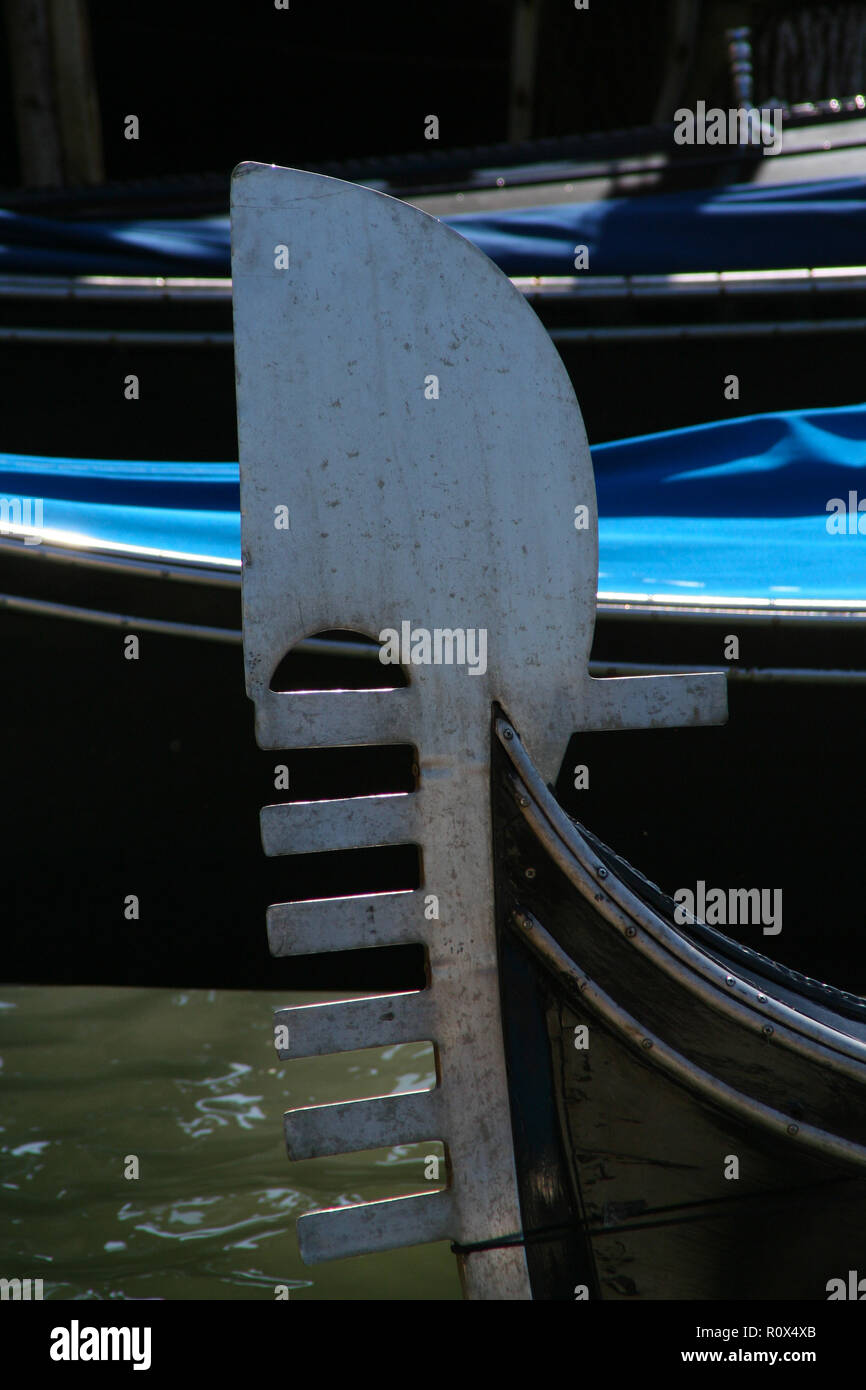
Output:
x,y
685,962
144,560
655,1051
610,606
545,289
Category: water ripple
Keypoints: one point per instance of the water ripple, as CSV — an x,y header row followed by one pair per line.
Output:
x,y
185,1082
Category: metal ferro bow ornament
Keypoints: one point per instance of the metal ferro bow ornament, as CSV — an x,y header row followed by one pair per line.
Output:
x,y
452,509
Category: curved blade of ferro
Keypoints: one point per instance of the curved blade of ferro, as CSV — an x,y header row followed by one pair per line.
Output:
x,y
399,397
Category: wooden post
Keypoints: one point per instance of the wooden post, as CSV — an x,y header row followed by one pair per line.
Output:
x,y
524,53
54,92
39,147
77,99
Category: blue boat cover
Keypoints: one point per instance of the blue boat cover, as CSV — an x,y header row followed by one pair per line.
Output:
x,y
739,227
737,509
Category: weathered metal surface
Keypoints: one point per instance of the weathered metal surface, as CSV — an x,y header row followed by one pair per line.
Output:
x,y
406,506
321,1130
345,924
328,719
374,1226
403,406
356,822
379,1021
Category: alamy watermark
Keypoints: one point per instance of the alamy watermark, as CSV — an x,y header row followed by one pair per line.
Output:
x,y
739,125
846,519
22,515
77,1343
853,1288
717,907
23,1290
439,646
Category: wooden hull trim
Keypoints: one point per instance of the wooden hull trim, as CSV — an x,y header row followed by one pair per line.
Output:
x,y
839,1045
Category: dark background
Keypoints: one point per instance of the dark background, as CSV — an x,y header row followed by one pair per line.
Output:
x,y
216,84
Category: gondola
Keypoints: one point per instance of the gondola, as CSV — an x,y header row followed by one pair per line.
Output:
x,y
634,1103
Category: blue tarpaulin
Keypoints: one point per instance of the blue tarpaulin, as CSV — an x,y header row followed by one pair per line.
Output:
x,y
735,509
740,227
732,509
46,246
736,228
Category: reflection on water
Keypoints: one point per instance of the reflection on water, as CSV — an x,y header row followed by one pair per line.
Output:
x,y
189,1085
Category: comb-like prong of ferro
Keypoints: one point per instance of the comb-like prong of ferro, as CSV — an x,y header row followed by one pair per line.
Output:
x,y
345,924
322,1130
352,822
414,469
372,1227
381,1020
325,719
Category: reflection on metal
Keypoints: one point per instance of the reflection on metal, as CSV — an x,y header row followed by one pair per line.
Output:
x,y
725,284
661,608
140,560
387,382
784,675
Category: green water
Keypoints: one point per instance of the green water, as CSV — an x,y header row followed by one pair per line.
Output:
x,y
190,1084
